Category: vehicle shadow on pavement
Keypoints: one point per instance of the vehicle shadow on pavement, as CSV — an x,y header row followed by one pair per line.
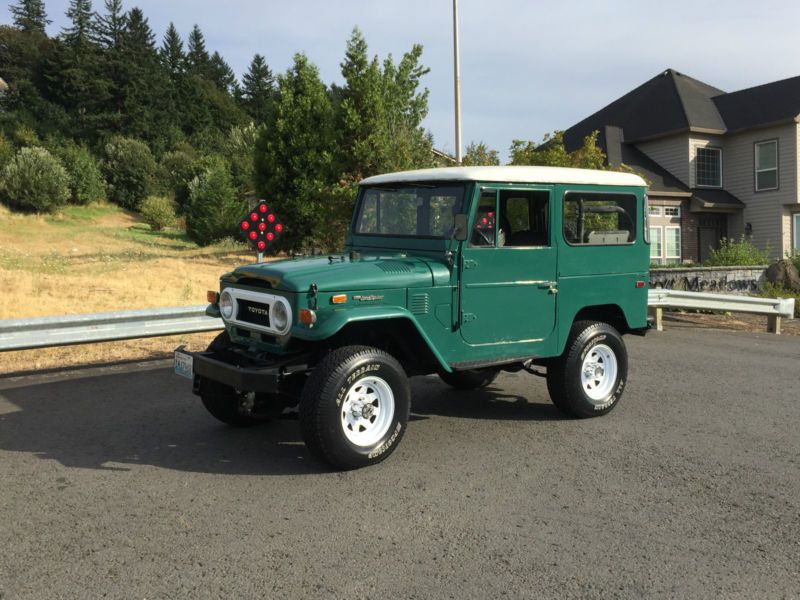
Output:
x,y
149,417
431,396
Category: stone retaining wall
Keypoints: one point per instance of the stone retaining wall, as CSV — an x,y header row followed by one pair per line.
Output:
x,y
725,280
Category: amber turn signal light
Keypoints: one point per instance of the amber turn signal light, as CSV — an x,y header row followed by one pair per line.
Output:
x,y
307,317
212,296
339,299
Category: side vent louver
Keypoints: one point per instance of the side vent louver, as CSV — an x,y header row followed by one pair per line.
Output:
x,y
419,304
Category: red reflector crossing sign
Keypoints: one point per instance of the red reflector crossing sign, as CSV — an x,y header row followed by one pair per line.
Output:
x,y
261,226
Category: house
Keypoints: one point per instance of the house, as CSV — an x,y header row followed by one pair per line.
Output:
x,y
718,164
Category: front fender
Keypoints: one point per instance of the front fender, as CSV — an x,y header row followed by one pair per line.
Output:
x,y
330,322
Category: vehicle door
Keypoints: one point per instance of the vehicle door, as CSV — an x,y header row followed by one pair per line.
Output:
x,y
508,268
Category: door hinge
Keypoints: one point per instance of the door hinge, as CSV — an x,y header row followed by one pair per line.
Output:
x,y
470,264
467,317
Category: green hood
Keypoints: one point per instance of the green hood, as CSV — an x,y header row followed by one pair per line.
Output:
x,y
368,272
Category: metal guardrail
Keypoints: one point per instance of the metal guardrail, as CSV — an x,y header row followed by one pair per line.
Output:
x,y
42,332
773,308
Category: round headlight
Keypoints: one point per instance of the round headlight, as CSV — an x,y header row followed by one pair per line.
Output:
x,y
226,305
279,316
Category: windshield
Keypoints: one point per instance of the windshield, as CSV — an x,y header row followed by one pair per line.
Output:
x,y
409,210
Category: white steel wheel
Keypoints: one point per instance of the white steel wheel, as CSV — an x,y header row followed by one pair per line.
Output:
x,y
367,411
599,373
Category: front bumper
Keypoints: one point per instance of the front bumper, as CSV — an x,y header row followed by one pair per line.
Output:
x,y
245,374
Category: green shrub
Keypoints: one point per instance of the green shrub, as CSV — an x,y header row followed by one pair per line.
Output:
x,y
25,137
770,290
158,212
794,256
175,171
6,151
86,183
214,208
735,253
130,171
34,181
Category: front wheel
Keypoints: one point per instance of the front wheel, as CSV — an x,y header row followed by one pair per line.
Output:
x,y
589,378
354,407
222,401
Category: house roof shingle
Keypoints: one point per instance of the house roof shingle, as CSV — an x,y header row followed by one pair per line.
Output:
x,y
672,102
767,104
668,103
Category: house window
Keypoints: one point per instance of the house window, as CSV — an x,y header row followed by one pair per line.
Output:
x,y
672,245
654,211
672,211
797,232
655,244
766,165
666,245
708,163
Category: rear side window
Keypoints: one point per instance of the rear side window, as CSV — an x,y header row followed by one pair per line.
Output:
x,y
594,219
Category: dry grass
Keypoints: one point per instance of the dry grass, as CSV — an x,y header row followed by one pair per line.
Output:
x,y
99,258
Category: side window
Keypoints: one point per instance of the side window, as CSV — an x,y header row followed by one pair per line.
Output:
x,y
594,219
484,227
524,218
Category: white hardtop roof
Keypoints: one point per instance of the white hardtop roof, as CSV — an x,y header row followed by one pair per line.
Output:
x,y
510,175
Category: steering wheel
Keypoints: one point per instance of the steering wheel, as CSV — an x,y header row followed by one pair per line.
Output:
x,y
486,238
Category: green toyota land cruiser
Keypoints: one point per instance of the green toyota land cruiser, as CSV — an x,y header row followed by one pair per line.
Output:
x,y
461,272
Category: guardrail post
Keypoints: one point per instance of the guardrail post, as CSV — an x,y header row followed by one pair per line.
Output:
x,y
658,314
774,324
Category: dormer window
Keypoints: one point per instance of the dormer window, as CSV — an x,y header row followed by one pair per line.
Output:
x,y
708,167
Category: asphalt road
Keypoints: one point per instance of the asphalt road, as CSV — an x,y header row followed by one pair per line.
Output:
x,y
117,484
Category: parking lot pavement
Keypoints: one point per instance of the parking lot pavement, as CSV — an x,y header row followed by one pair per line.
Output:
x,y
118,484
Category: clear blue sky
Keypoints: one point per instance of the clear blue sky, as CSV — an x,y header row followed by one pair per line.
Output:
x,y
528,66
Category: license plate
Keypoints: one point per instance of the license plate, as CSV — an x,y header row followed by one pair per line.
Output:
x,y
184,365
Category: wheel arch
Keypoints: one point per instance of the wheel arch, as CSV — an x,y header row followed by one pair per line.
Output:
x,y
398,335
605,313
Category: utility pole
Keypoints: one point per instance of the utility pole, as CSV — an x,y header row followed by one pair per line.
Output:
x,y
457,81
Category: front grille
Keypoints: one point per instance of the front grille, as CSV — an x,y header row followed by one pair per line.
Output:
x,y
256,313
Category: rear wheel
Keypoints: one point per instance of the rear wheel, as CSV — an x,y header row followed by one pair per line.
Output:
x,y
354,407
470,380
589,378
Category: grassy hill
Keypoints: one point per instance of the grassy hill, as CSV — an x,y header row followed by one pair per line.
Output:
x,y
98,258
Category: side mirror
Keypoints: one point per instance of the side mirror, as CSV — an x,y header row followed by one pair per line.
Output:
x,y
460,227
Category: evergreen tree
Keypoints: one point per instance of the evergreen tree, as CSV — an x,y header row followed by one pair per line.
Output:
x,y
76,74
29,15
110,27
197,58
81,30
222,74
380,113
258,89
172,55
294,154
146,103
360,110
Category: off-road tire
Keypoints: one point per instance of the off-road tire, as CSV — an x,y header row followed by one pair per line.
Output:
x,y
221,400
470,380
327,391
567,389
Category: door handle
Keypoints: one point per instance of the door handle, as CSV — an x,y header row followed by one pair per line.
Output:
x,y
551,286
